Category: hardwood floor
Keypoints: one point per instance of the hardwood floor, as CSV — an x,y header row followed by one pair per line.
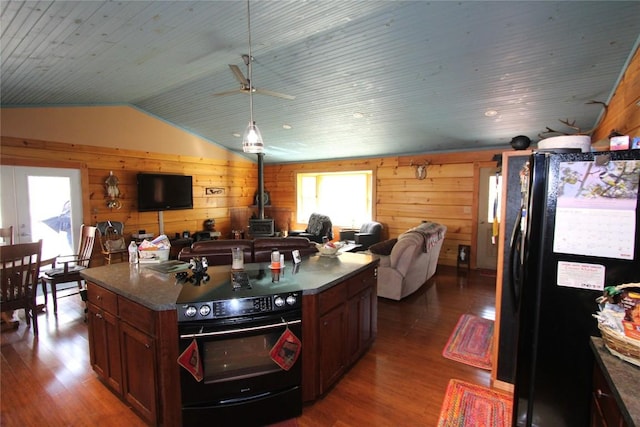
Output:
x,y
399,382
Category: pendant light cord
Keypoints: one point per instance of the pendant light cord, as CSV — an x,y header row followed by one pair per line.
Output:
x,y
249,65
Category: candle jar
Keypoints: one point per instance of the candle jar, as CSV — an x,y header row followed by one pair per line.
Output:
x,y
275,258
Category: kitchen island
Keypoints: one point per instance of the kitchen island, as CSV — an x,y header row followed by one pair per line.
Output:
x,y
133,335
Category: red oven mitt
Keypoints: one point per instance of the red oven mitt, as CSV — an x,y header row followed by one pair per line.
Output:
x,y
190,360
286,350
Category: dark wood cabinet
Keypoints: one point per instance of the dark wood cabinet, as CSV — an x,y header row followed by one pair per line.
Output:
x,y
604,408
133,350
332,347
139,368
361,314
339,325
104,340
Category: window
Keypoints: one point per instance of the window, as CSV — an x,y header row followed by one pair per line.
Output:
x,y
343,196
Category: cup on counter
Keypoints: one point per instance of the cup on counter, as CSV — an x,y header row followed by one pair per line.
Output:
x,y
237,259
275,276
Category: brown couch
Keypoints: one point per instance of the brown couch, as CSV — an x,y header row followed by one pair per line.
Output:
x,y
218,252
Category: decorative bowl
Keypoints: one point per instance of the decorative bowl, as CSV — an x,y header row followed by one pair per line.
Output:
x,y
328,250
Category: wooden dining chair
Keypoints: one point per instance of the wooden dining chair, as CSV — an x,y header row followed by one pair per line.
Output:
x,y
19,267
6,234
67,268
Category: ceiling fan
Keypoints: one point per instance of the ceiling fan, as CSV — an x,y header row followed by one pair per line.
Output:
x,y
245,84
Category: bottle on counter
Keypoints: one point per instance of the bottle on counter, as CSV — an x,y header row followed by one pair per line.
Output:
x,y
133,253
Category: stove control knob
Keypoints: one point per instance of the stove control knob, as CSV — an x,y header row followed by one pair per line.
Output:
x,y
205,310
291,300
279,302
190,311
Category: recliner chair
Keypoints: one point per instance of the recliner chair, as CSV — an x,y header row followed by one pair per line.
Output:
x,y
370,233
318,227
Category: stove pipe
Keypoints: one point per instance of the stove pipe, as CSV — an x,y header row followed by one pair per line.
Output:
x,y
260,185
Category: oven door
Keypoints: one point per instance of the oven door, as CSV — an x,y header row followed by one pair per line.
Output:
x,y
236,362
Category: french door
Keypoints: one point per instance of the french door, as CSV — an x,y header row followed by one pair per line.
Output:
x,y
43,203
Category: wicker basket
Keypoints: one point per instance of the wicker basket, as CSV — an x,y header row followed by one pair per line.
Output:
x,y
618,343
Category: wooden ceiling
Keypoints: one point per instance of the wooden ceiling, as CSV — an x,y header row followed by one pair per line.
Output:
x,y
370,78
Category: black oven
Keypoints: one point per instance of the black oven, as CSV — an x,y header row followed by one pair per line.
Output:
x,y
233,378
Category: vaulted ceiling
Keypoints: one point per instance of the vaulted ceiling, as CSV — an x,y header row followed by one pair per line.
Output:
x,y
370,78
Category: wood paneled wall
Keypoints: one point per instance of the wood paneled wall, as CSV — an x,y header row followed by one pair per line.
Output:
x,y
623,112
402,201
237,179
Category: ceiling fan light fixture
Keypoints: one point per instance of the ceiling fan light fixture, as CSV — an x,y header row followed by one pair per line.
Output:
x,y
252,139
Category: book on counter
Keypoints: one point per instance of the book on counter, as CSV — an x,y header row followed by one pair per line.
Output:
x,y
167,267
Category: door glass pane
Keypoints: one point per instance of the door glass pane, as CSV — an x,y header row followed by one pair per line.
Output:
x,y
50,209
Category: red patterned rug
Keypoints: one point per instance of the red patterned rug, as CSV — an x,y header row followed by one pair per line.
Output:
x,y
470,342
470,405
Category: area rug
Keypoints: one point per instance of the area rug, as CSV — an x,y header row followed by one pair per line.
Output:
x,y
471,342
471,405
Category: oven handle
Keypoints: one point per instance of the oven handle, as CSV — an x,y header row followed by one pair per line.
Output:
x,y
241,330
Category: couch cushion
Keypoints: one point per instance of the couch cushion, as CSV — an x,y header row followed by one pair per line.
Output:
x,y
262,247
217,252
384,247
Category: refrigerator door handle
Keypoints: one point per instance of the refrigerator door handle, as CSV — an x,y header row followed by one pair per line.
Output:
x,y
516,267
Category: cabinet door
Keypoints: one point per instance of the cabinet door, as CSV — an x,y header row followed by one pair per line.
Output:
x,y
360,331
604,408
332,347
139,371
104,346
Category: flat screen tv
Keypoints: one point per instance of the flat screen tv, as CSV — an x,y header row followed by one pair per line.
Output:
x,y
162,192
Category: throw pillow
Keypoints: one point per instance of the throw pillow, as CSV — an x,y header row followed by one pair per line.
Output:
x,y
384,247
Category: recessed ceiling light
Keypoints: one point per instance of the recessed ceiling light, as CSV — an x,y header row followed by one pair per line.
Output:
x,y
358,115
286,126
236,134
490,113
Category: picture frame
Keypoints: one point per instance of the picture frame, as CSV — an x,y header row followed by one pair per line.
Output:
x,y
464,256
295,254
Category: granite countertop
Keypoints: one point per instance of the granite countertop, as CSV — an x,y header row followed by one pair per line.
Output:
x,y
623,377
159,291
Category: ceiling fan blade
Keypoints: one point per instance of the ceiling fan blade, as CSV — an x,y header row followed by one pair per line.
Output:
x,y
276,94
238,75
231,92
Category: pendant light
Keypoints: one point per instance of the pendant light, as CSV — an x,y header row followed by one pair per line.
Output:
x,y
252,139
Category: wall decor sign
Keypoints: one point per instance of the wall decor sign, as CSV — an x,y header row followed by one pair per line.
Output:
x,y
213,191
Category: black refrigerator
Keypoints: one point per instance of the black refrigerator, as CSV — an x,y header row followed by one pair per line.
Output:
x,y
576,233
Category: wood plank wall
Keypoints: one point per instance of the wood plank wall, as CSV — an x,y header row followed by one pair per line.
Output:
x,y
402,201
623,112
237,180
